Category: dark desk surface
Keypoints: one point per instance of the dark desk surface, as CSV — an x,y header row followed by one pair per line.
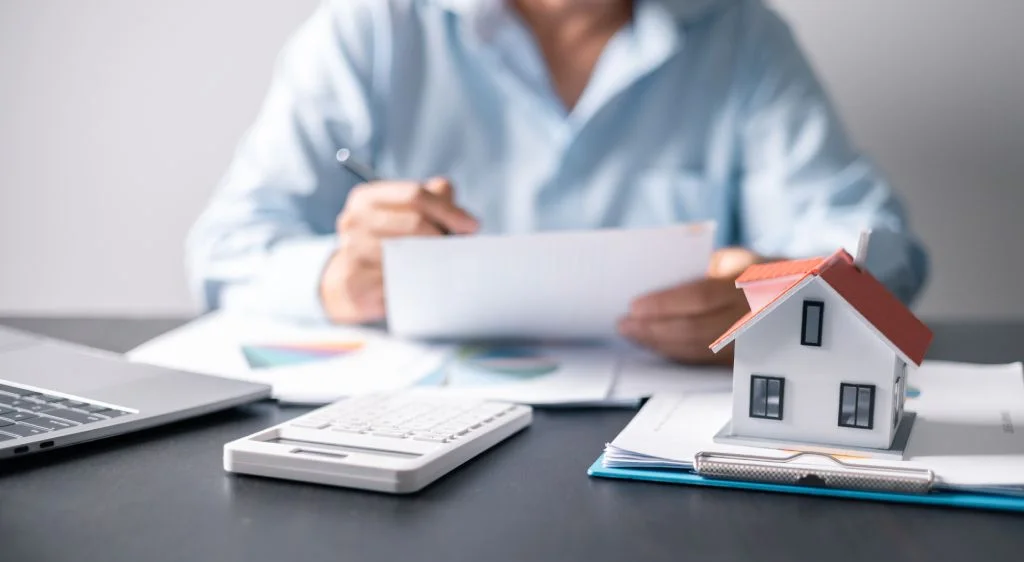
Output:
x,y
162,495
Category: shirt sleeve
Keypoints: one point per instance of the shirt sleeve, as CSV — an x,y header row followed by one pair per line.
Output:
x,y
268,231
806,190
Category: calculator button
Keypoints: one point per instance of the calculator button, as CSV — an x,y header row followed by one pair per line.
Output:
x,y
432,438
310,424
344,429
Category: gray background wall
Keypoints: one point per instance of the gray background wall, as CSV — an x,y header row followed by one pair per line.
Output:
x,y
118,117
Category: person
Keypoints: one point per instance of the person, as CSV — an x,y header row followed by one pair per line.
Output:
x,y
513,116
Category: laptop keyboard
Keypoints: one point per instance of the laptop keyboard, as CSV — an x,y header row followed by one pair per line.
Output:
x,y
27,413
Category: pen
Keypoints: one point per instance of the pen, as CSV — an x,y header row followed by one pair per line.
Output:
x,y
365,173
361,171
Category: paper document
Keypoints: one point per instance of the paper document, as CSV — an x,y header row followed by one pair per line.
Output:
x,y
612,373
320,364
641,374
968,428
539,374
547,285
304,364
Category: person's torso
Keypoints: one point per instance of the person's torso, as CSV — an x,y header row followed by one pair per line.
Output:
x,y
652,140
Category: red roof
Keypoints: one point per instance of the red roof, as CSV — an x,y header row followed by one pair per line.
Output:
x,y
778,269
859,288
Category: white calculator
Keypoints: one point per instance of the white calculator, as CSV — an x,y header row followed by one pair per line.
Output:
x,y
396,442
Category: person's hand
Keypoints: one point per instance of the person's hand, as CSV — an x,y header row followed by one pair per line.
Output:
x,y
680,322
352,284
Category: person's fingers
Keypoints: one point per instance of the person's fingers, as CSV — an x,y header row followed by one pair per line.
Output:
x,y
683,338
690,299
731,262
387,223
684,350
440,187
439,209
659,338
445,213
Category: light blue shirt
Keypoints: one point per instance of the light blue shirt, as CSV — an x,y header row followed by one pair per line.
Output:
x,y
696,110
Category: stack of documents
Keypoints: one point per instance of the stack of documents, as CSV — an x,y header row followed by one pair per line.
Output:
x,y
969,429
571,286
320,364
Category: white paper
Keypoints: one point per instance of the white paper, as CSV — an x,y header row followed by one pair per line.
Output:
x,y
642,374
610,374
213,345
557,285
969,431
670,429
567,374
970,423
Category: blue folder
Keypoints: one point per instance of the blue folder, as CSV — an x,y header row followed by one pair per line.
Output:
x,y
950,499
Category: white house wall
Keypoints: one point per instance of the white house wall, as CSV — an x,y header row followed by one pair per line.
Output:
x,y
850,353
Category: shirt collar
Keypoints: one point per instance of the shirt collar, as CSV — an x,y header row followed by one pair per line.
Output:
x,y
681,10
484,17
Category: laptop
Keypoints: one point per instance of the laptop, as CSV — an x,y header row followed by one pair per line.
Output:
x,y
54,394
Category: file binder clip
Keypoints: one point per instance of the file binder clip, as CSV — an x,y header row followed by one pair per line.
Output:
x,y
789,471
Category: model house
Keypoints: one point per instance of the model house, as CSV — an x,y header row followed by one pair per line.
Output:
x,y
822,356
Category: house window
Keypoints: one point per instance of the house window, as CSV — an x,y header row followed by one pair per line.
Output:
x,y
857,405
766,394
810,331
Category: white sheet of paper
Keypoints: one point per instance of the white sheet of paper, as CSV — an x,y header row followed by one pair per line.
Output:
x,y
968,431
642,374
970,423
671,428
557,284
213,345
546,374
608,374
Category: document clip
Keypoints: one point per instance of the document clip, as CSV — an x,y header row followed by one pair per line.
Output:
x,y
835,474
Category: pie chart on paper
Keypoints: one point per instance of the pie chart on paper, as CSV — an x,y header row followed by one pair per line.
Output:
x,y
491,365
271,355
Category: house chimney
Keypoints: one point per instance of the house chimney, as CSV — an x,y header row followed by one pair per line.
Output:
x,y
862,248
